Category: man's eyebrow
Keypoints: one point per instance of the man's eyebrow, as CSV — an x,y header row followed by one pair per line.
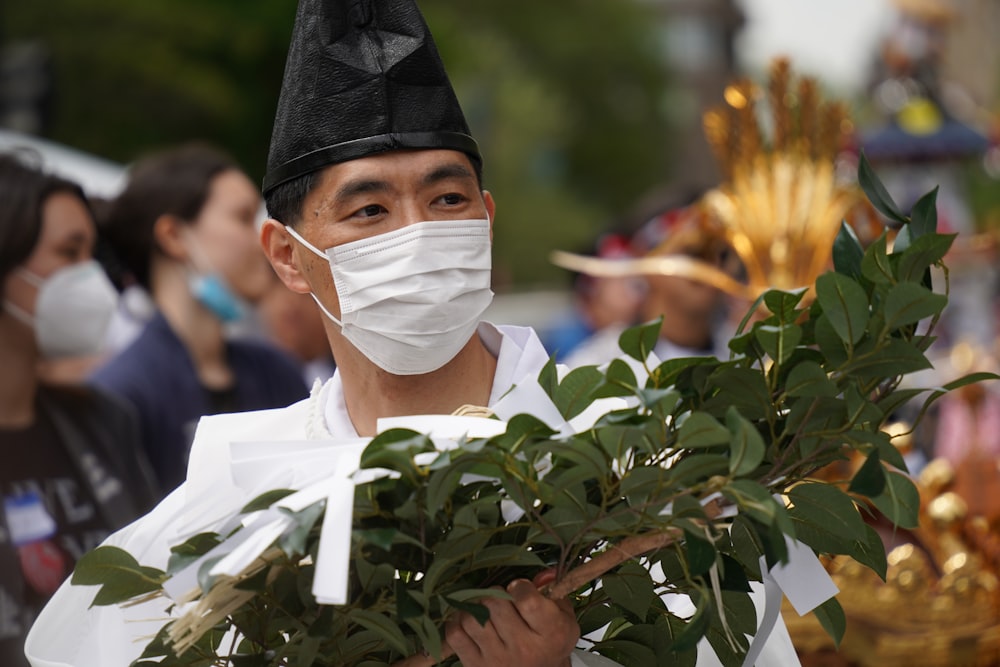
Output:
x,y
358,187
446,171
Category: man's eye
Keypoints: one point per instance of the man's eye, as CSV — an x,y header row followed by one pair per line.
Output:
x,y
453,199
371,210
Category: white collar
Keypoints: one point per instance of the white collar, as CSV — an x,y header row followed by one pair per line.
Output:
x,y
518,351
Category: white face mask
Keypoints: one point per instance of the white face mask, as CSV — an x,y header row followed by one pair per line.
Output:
x,y
72,311
411,299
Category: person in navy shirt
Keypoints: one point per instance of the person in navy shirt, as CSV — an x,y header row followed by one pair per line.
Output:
x,y
184,229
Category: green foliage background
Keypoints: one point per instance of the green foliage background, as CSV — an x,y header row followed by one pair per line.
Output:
x,y
565,98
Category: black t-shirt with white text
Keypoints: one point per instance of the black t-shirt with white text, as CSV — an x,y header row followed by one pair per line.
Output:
x,y
48,520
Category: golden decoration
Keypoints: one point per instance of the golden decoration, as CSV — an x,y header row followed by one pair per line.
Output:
x,y
939,605
781,206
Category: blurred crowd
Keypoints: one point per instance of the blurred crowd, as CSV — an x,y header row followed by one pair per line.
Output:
x,y
123,322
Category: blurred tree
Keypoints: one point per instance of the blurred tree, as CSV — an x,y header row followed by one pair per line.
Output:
x,y
565,98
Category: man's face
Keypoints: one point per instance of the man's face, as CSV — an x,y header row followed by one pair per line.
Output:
x,y
374,195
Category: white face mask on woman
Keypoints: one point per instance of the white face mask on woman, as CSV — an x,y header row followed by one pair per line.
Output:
x,y
411,299
72,311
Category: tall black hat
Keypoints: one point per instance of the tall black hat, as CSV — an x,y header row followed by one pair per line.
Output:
x,y
362,77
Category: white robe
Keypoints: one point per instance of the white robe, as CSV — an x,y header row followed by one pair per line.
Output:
x,y
69,633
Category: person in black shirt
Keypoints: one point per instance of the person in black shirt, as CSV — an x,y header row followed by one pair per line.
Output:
x,y
73,466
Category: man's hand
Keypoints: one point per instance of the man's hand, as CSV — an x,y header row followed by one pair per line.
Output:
x,y
528,631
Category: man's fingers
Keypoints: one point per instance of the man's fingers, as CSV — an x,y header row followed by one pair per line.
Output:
x,y
529,602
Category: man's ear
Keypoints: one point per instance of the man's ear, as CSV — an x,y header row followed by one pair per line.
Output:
x,y
491,209
279,246
168,237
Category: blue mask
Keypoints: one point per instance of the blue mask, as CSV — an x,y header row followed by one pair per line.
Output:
x,y
212,292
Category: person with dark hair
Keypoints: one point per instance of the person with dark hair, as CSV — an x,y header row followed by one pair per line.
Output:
x,y
184,228
692,312
599,304
74,468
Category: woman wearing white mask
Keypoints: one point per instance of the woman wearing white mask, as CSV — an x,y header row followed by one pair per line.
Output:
x,y
184,228
73,467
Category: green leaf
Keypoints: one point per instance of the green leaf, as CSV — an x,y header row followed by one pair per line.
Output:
x,y
595,617
293,543
922,253
205,577
897,399
900,501
908,303
700,429
698,468
831,616
742,618
641,482
520,429
384,538
861,412
747,449
548,377
747,547
897,357
758,504
667,373
869,550
923,215
576,391
869,480
619,380
666,629
845,304
876,192
118,573
567,524
970,379
778,342
440,486
474,609
407,606
829,342
504,555
875,265
701,553
825,505
308,651
428,633
394,449
383,627
742,388
696,625
626,652
631,588
847,252
191,550
783,303
809,379
265,500
637,342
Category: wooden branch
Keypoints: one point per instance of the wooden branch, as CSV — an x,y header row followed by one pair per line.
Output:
x,y
627,549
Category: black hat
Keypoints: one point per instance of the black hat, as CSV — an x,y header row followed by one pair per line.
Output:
x,y
362,77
